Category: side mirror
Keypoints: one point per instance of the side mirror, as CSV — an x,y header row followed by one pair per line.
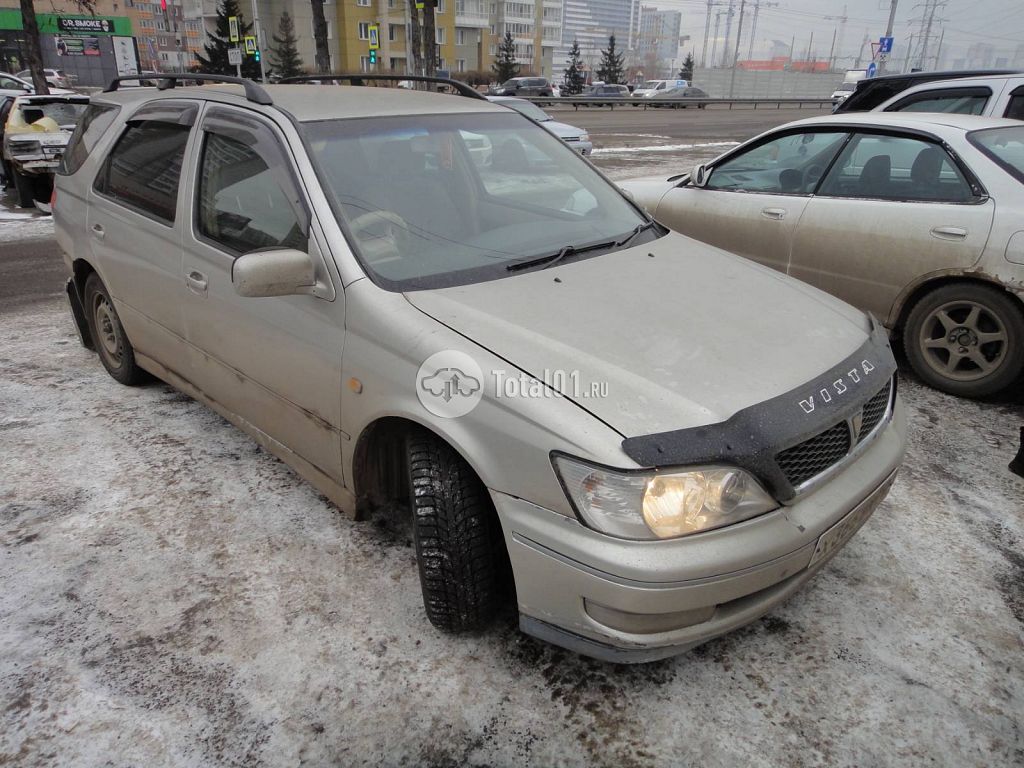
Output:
x,y
699,175
280,272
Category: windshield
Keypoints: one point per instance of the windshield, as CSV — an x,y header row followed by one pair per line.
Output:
x,y
846,86
443,200
650,85
1005,146
62,112
532,111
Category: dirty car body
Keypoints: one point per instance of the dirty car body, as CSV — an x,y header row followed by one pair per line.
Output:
x,y
882,210
36,134
296,265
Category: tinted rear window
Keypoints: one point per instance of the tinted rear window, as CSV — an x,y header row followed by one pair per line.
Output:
x,y
144,168
93,124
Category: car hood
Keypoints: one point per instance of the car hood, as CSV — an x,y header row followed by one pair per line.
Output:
x,y
563,130
677,333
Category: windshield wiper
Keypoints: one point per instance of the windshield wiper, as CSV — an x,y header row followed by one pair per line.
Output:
x,y
554,258
636,231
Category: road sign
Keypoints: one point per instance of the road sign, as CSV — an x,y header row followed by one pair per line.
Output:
x,y
250,45
233,29
374,37
234,56
885,45
872,69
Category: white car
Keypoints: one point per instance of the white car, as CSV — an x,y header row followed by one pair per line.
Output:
x,y
915,218
577,138
11,85
992,96
652,88
55,78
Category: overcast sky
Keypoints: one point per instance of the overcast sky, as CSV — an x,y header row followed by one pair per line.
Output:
x,y
999,22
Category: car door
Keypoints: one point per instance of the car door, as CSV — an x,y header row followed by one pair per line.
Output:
x,y
753,199
134,227
892,209
274,361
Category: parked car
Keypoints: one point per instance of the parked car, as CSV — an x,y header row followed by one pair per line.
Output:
x,y
690,92
10,85
524,86
55,78
652,88
842,93
992,96
873,91
912,217
335,276
577,138
618,93
35,136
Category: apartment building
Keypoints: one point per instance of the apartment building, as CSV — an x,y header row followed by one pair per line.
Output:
x,y
536,29
591,23
656,42
167,38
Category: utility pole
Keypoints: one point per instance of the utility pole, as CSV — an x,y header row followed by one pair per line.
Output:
x,y
810,45
736,56
923,61
888,31
728,30
832,50
707,31
714,42
259,39
938,51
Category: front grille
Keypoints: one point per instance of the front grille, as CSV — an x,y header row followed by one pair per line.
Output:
x,y
874,409
812,457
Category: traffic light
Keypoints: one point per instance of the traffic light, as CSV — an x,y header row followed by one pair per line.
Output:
x,y
373,56
257,55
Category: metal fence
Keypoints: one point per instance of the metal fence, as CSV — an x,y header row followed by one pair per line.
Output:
x,y
621,102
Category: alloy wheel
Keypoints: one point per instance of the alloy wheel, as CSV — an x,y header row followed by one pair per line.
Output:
x,y
963,340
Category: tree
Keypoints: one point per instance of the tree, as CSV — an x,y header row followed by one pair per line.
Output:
x,y
611,69
323,53
686,73
573,78
505,65
286,53
429,40
35,49
216,60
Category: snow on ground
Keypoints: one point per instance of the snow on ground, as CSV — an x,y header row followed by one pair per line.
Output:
x,y
21,223
172,595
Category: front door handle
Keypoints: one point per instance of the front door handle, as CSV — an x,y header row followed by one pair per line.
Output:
x,y
778,214
98,231
196,281
949,233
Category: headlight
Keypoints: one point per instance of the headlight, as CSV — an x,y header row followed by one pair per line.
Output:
x,y
584,137
25,147
661,504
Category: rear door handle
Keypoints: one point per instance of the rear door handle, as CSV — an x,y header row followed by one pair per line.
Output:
x,y
949,233
196,281
774,213
98,231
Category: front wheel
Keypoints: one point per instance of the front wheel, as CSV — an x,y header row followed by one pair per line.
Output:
x,y
457,534
966,339
108,336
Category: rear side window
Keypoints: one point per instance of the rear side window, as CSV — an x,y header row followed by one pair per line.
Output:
x,y
1015,107
144,167
93,124
961,101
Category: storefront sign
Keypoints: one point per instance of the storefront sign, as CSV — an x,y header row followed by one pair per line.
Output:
x,y
103,26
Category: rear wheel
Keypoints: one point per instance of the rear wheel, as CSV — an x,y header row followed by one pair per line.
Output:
x,y
458,538
115,351
966,339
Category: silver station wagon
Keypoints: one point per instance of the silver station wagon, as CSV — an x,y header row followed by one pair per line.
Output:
x,y
646,440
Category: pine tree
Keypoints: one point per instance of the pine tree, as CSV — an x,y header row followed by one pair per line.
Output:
x,y
216,60
505,65
286,53
611,69
686,73
573,79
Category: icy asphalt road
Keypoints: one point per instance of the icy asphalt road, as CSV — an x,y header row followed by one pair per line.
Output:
x,y
171,595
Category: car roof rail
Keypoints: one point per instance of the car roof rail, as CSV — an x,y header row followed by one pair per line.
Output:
x,y
253,91
358,78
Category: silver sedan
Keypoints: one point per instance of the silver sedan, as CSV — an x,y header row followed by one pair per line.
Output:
x,y
913,217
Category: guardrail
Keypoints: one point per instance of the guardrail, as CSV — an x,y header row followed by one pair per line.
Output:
x,y
623,101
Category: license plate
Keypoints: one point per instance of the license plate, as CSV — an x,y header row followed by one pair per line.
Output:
x,y
840,533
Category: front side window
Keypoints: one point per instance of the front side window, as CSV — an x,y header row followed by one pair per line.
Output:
x,y
456,199
961,101
791,164
247,201
896,168
144,168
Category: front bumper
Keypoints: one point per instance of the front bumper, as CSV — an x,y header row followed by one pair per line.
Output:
x,y
636,601
583,147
